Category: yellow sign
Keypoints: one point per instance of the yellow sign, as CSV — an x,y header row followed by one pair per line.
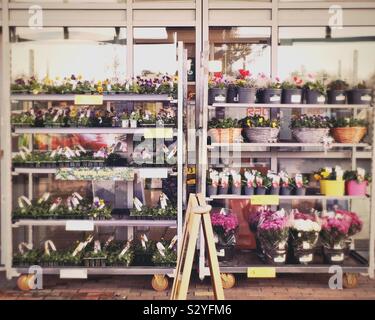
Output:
x,y
190,170
86,99
261,272
158,133
265,200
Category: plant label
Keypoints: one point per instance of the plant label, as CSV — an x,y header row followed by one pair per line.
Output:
x,y
73,273
79,225
275,98
220,253
296,98
340,97
261,272
83,99
161,173
366,98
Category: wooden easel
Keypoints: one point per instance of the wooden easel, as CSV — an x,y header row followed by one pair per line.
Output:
x,y
197,211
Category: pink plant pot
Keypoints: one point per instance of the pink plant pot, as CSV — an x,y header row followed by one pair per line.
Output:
x,y
353,188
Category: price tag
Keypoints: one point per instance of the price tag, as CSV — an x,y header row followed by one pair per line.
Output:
x,y
261,272
84,99
158,133
73,273
153,173
79,225
261,200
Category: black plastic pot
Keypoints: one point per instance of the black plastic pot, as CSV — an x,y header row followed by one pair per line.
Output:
x,y
246,95
223,190
232,94
236,190
285,191
249,191
275,190
260,191
217,95
300,191
336,96
314,97
291,96
270,96
359,96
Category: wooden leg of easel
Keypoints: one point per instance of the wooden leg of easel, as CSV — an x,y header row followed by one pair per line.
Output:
x,y
188,264
212,257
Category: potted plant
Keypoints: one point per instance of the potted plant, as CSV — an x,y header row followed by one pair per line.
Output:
x,y
273,232
292,91
245,87
258,129
304,234
286,185
121,257
275,182
299,183
224,182
337,227
235,182
348,130
336,92
224,130
143,251
217,89
125,120
310,129
24,119
224,224
314,92
331,181
19,86
212,182
165,254
250,183
232,92
360,94
263,183
134,118
269,91
356,182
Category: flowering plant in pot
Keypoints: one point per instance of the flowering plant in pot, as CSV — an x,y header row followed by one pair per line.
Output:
x,y
224,224
310,129
360,94
235,180
356,182
261,130
134,118
249,181
20,85
285,184
292,91
125,120
331,181
232,92
314,91
304,234
212,182
245,87
348,130
273,233
274,178
165,254
119,255
269,90
337,227
24,119
336,92
217,89
224,130
224,182
263,183
299,183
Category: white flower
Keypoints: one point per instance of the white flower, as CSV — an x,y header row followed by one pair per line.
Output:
x,y
306,225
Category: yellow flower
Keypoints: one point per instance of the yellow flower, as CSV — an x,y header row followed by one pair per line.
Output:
x,y
260,120
325,174
99,83
317,177
100,89
101,201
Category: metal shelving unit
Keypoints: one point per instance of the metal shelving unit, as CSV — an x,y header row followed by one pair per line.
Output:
x,y
221,155
125,222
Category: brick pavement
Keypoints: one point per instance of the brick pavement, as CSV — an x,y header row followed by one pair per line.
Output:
x,y
290,287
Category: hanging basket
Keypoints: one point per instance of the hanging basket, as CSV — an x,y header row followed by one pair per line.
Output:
x,y
349,134
262,135
310,135
228,135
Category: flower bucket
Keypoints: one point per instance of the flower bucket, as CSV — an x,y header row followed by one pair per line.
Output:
x,y
232,94
353,188
260,191
291,96
310,135
314,97
228,135
359,96
249,191
262,135
269,96
336,96
236,190
217,95
300,191
349,134
336,254
332,187
223,190
246,95
275,191
285,191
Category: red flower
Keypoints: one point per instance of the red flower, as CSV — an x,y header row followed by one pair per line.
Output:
x,y
244,73
218,75
297,80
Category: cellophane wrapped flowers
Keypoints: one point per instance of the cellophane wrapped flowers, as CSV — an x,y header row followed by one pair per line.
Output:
x,y
224,224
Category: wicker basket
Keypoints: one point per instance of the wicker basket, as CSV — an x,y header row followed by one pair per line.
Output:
x,y
228,135
349,134
310,135
262,134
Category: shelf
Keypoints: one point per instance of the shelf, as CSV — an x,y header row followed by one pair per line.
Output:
x,y
108,97
249,145
100,223
289,106
134,131
245,259
308,197
107,270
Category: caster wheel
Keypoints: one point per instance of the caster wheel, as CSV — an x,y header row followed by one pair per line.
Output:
x,y
159,282
228,280
350,280
25,282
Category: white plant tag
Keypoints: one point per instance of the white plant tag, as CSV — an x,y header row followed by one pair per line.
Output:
x,y
161,249
338,257
138,204
321,99
366,98
163,200
280,258
340,97
173,242
306,258
126,248
296,98
275,98
305,245
220,253
77,195
220,98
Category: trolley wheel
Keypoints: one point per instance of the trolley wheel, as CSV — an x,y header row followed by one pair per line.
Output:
x,y
228,280
25,281
350,280
159,282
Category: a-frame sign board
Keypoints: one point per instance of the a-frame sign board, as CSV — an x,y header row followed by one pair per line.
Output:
x,y
197,212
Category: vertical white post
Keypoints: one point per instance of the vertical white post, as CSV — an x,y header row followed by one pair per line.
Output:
x,y
372,206
6,163
129,39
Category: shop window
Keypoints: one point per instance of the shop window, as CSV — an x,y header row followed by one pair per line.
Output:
x,y
93,53
241,48
345,53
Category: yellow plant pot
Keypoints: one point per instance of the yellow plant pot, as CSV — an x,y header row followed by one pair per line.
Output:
x,y
332,187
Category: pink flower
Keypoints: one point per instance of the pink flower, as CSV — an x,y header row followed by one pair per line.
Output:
x,y
224,223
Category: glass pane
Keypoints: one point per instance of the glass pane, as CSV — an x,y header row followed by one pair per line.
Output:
x,y
93,53
338,53
241,48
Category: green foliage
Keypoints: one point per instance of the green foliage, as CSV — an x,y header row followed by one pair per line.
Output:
x,y
350,175
338,85
223,123
348,122
361,85
258,121
305,121
315,86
